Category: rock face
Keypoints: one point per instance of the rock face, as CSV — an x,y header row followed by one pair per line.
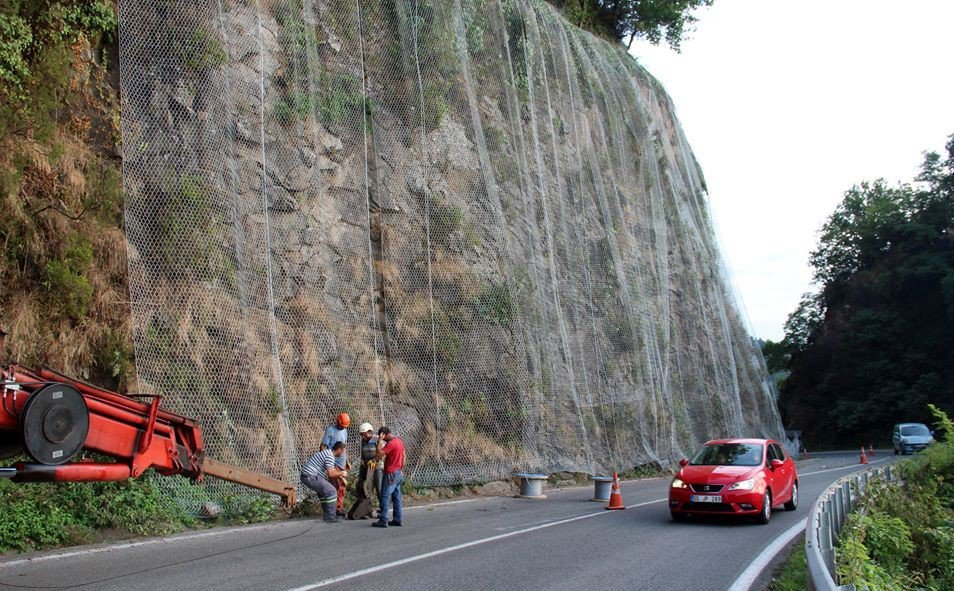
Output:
x,y
466,219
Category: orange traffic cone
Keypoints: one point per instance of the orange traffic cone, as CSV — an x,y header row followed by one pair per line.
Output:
x,y
871,450
616,499
862,459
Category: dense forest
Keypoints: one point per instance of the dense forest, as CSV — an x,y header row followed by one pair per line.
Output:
x,y
875,344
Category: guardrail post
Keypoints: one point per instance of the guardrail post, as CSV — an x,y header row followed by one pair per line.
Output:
x,y
838,512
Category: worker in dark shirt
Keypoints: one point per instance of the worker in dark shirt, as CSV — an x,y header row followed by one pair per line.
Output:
x,y
391,450
370,475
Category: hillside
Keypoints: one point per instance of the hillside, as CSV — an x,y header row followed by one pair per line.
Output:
x,y
470,220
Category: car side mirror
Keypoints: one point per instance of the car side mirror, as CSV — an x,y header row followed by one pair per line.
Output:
x,y
683,462
776,464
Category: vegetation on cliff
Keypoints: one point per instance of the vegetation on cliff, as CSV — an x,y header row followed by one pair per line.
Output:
x,y
627,20
62,265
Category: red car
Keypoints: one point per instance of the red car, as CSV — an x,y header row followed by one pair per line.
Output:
x,y
735,477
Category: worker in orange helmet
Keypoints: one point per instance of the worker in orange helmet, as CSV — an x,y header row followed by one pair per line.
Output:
x,y
333,434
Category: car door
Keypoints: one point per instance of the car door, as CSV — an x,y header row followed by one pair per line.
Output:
x,y
783,474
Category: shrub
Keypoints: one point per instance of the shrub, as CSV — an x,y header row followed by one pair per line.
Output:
x,y
66,282
15,38
202,51
445,220
42,515
901,535
494,304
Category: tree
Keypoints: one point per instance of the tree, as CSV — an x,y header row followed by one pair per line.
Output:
x,y
876,343
653,20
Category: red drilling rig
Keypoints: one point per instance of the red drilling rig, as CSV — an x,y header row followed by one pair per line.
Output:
x,y
52,417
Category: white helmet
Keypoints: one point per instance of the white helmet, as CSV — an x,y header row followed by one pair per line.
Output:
x,y
365,427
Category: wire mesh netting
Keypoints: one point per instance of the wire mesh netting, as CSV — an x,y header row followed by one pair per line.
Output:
x,y
466,219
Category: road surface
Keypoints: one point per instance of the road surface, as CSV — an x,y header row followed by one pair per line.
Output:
x,y
563,542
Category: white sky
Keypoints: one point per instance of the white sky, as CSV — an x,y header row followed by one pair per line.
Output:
x,y
789,103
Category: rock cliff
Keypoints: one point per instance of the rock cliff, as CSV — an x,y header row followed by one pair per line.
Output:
x,y
467,219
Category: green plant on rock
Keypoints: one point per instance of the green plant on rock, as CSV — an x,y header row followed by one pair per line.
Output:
x,y
494,303
187,226
15,38
114,358
445,220
66,284
202,51
243,509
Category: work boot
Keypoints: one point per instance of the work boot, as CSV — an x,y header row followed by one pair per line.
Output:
x,y
330,513
394,523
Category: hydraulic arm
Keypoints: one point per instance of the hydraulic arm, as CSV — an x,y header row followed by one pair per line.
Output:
x,y
52,417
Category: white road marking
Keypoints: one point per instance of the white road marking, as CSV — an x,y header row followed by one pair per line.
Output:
x,y
754,569
418,557
189,536
856,466
441,504
150,542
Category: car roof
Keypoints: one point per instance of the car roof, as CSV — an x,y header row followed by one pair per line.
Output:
x,y
909,424
740,440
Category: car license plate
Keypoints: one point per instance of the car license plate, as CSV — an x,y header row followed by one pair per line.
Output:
x,y
706,498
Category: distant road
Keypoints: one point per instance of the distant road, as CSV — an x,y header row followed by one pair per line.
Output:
x,y
564,542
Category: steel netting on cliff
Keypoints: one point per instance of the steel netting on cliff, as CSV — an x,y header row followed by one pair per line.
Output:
x,y
466,219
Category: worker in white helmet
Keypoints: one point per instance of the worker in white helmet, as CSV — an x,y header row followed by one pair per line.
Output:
x,y
370,473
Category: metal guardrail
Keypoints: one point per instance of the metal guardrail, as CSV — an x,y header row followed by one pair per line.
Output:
x,y
826,522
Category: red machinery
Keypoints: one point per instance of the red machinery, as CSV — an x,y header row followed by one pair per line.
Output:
x,y
52,418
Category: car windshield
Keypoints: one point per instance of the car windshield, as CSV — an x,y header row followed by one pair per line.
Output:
x,y
915,430
728,454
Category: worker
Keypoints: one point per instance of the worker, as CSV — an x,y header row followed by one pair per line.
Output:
x,y
391,450
370,474
318,474
338,433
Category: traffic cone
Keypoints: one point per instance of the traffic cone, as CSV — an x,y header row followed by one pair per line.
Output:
x,y
871,450
862,459
616,499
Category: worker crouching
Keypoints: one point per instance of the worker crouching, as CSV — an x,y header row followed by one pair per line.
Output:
x,y
320,475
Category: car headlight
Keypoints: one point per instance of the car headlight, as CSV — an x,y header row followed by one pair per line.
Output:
x,y
743,485
677,483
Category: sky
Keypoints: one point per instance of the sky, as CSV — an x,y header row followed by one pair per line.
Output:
x,y
789,103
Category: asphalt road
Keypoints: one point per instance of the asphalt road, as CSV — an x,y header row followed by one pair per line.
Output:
x,y
563,542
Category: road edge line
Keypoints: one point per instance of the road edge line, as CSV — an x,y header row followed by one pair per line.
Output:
x,y
755,568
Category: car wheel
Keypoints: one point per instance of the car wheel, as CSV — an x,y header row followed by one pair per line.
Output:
x,y
895,451
792,504
766,513
679,517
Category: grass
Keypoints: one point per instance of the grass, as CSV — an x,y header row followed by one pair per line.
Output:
x,y
793,573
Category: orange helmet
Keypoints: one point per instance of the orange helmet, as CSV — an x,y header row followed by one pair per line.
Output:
x,y
344,420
